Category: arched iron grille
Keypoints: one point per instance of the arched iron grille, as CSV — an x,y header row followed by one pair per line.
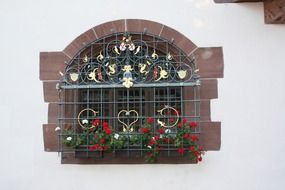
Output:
x,y
124,79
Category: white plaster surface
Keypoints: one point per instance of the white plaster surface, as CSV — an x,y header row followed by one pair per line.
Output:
x,y
251,102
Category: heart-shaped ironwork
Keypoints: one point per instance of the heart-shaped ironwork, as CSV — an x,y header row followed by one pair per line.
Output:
x,y
127,127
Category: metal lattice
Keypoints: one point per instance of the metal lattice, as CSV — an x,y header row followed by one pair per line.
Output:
x,y
124,79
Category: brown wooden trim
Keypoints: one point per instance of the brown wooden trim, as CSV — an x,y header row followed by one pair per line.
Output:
x,y
51,63
236,1
210,62
211,135
274,11
50,138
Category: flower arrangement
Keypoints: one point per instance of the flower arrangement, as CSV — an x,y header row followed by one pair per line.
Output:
x,y
98,136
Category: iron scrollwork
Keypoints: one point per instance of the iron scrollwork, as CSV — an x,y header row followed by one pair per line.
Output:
x,y
128,62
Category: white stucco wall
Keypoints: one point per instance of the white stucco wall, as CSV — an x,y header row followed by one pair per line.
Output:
x,y
251,102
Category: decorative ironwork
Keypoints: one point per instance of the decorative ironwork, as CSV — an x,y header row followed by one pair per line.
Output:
x,y
163,124
124,80
82,121
130,63
127,127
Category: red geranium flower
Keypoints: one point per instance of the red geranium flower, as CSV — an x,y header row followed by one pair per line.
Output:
x,y
108,131
186,136
199,158
151,142
193,124
144,130
197,153
105,125
94,147
184,120
96,122
180,125
156,137
161,131
150,120
181,150
194,138
192,148
171,120
102,140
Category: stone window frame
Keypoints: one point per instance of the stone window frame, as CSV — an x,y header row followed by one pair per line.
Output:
x,y
209,60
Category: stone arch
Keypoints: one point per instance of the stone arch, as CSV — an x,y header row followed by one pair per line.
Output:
x,y
129,25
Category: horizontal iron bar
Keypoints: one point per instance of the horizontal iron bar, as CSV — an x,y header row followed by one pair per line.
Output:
x,y
122,102
127,117
135,85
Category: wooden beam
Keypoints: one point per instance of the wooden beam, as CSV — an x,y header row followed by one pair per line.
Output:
x,y
274,11
236,1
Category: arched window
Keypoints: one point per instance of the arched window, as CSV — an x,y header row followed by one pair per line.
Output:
x,y
132,96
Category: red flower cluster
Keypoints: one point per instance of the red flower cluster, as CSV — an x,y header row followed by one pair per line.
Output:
x,y
154,140
180,125
96,122
144,130
106,128
194,138
193,124
186,136
156,137
95,147
196,152
102,141
181,150
150,120
161,131
171,120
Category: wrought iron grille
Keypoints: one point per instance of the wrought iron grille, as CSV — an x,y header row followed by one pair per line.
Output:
x,y
123,79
